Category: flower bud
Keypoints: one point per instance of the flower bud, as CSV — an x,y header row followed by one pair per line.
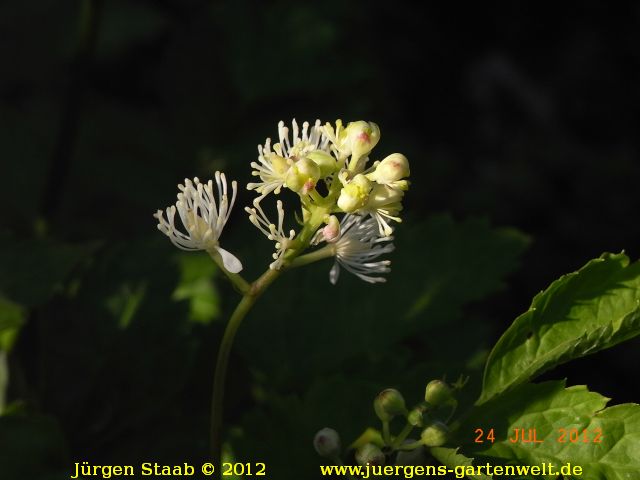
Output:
x,y
361,137
388,404
331,231
326,162
369,454
392,169
438,393
354,195
385,196
435,434
327,443
415,417
302,176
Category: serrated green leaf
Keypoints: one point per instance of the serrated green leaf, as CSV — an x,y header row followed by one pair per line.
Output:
x,y
605,442
452,459
580,313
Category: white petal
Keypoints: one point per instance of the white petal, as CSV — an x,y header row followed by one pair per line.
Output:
x,y
334,273
229,260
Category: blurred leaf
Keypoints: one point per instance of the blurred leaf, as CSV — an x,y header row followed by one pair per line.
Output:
x,y
370,435
549,407
125,303
196,285
580,313
12,317
32,270
32,447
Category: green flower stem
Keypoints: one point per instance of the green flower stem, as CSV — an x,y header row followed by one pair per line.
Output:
x,y
235,278
217,401
397,442
386,435
453,411
410,446
325,252
251,293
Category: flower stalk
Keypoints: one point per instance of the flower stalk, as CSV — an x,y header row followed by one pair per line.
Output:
x,y
249,298
368,199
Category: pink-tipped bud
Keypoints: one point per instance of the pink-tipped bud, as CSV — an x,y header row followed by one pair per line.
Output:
x,y
331,230
327,443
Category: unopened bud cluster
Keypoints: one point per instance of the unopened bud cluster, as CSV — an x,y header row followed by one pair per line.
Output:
x,y
427,416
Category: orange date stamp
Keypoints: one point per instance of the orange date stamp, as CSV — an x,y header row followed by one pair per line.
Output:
x,y
531,435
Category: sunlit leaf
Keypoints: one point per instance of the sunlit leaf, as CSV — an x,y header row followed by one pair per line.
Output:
x,y
570,424
583,312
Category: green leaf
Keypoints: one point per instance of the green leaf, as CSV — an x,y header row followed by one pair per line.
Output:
x,y
452,459
580,313
11,319
548,408
197,272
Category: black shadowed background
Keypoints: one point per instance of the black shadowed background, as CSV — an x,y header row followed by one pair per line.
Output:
x,y
521,126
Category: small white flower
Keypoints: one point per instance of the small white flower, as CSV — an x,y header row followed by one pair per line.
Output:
x,y
356,248
202,218
311,140
271,231
274,161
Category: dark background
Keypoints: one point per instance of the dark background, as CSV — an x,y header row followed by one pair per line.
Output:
x,y
517,115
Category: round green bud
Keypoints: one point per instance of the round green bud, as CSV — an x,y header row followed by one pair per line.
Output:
x,y
438,393
415,417
326,162
327,443
302,176
388,404
369,454
435,434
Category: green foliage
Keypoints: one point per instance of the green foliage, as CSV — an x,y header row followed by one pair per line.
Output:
x,y
197,273
549,407
452,459
580,313
12,317
356,347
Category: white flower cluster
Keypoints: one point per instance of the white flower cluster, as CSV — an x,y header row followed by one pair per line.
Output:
x,y
328,167
334,160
